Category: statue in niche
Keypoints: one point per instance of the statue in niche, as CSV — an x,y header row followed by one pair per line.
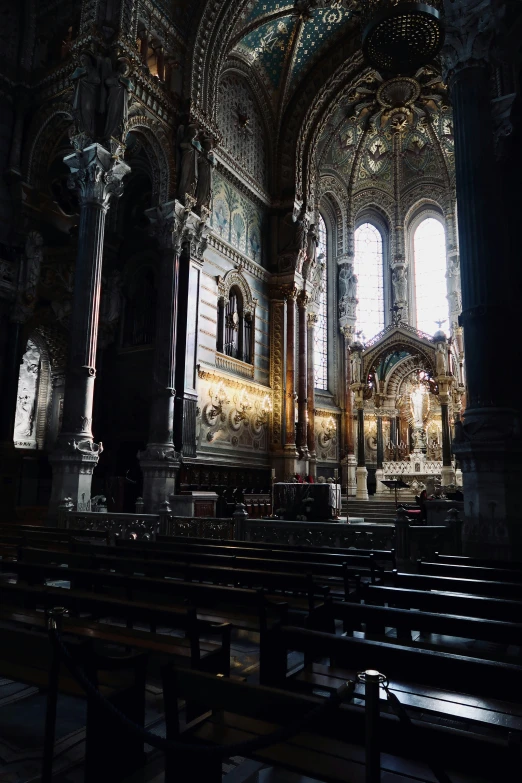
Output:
x,y
112,298
206,163
312,240
33,264
400,283
356,366
417,406
86,100
441,359
189,147
118,87
295,230
27,389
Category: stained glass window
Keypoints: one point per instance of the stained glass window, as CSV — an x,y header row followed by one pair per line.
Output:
x,y
429,247
368,266
321,328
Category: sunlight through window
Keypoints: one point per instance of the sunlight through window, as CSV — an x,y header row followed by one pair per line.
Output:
x,y
321,329
368,266
429,247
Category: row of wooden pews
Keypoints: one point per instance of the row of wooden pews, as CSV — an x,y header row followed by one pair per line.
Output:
x,y
341,611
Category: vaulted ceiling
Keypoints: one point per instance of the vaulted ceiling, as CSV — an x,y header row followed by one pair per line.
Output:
x,y
282,40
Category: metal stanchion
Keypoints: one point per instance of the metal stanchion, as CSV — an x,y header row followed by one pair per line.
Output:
x,y
54,622
372,680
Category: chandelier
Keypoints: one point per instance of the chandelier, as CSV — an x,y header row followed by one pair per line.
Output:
x,y
400,36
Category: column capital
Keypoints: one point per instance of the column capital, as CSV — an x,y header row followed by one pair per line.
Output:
x,y
96,175
302,299
470,27
312,319
174,225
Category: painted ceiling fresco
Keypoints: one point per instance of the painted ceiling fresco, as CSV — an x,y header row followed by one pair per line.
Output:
x,y
283,43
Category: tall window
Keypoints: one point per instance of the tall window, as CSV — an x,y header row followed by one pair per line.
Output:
x,y
321,329
368,266
429,248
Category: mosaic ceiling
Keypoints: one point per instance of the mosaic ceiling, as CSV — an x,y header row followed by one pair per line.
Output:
x,y
283,43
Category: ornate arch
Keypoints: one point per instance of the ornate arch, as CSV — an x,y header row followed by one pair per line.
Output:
x,y
47,127
160,154
235,279
400,372
399,338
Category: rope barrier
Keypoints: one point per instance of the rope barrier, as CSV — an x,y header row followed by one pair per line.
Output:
x,y
400,712
344,694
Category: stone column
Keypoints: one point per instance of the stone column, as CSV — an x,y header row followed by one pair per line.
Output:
x,y
361,472
448,473
290,451
310,424
97,175
191,261
159,461
488,443
349,462
302,379
379,474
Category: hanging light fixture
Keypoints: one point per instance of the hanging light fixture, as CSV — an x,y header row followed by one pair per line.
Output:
x,y
400,36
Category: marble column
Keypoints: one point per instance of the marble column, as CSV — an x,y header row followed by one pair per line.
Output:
x,y
159,462
310,423
302,379
290,450
488,443
379,475
97,176
448,473
361,471
349,462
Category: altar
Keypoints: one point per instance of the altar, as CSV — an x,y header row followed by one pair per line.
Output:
x,y
307,502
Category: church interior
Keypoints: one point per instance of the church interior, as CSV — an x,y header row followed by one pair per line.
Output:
x,y
260,434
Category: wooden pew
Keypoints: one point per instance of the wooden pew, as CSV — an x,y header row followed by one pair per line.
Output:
x,y
279,583
366,561
510,565
26,656
512,592
248,609
330,749
380,555
376,619
206,656
445,602
460,673
338,577
482,573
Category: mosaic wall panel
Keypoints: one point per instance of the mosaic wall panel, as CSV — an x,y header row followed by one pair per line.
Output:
x,y
236,219
240,122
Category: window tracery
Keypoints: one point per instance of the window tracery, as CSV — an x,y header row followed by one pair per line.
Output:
x,y
321,330
242,127
236,318
368,267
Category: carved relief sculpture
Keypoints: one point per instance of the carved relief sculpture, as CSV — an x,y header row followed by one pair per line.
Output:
x,y
206,164
118,87
86,94
188,167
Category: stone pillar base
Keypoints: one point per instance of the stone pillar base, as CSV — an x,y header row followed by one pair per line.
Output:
x,y
447,476
362,484
380,489
490,452
159,465
10,464
72,478
349,466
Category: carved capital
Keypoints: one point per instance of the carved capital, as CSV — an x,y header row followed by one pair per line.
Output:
x,y
302,299
96,175
470,27
312,320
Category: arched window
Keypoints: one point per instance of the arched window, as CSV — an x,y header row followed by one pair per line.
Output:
x,y
235,328
429,248
368,266
321,330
